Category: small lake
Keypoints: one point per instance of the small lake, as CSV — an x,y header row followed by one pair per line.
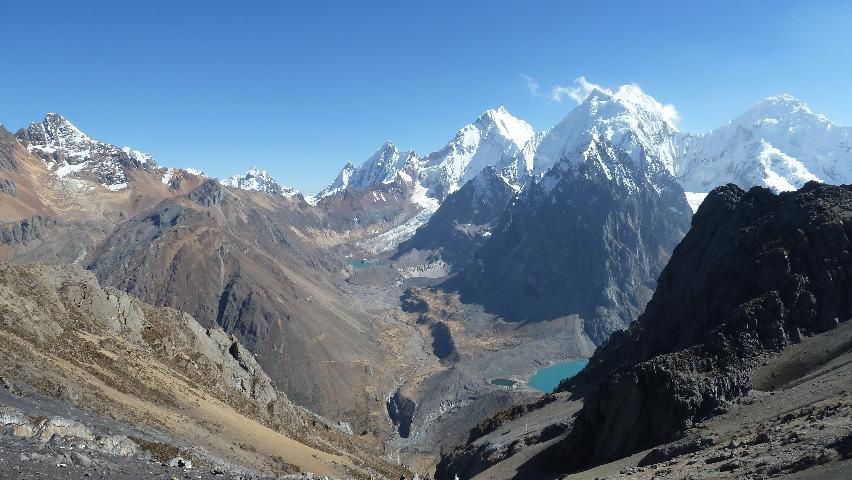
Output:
x,y
547,379
359,263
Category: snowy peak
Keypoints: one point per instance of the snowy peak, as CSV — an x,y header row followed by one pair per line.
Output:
x,y
68,152
506,125
56,134
56,131
626,117
643,105
779,143
495,138
777,109
259,181
381,167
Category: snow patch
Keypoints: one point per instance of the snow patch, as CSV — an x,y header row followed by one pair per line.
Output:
x,y
694,199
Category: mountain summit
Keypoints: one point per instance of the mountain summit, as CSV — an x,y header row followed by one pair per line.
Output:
x,y
260,181
779,143
68,152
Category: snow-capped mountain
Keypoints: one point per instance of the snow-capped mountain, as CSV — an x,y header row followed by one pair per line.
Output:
x,y
589,237
68,152
627,118
258,180
779,143
495,138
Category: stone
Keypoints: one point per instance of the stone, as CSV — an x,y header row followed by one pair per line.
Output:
x,y
79,459
180,462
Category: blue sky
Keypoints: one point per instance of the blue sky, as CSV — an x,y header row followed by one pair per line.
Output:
x,y
301,88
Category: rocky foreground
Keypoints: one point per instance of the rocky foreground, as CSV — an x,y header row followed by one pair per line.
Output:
x,y
97,382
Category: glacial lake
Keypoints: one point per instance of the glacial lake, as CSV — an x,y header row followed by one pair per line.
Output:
x,y
359,263
547,379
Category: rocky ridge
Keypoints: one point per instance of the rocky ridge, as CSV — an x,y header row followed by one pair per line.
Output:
x,y
710,322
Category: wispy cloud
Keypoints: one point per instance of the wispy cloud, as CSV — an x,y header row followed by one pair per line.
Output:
x,y
532,85
578,93
581,89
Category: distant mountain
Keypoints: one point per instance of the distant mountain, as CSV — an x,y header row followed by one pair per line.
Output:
x,y
589,239
627,118
495,138
260,181
70,153
779,143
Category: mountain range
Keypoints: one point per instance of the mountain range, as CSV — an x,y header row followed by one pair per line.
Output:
x,y
396,303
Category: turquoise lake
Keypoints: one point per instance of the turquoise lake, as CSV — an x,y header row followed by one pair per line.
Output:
x,y
361,263
548,378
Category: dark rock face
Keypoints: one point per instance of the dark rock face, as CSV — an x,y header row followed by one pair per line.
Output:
x,y
207,194
8,144
401,411
8,187
590,238
24,231
443,345
756,272
464,220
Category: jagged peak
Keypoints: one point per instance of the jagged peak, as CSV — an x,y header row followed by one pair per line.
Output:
x,y
259,180
59,130
388,146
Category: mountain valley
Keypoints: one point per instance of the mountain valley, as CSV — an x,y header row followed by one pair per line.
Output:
x,y
388,325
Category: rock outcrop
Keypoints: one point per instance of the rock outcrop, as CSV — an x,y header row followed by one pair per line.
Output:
x,y
207,194
756,272
27,230
8,146
8,187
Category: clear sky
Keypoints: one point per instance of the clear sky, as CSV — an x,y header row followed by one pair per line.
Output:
x,y
301,88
